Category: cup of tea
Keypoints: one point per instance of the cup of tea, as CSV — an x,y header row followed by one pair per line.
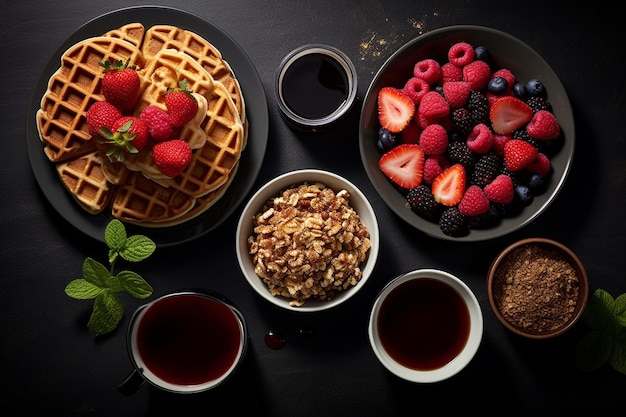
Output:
x,y
185,342
425,326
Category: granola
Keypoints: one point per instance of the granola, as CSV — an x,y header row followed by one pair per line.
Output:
x,y
309,243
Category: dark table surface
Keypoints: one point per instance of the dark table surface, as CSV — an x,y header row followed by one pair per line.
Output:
x,y
51,365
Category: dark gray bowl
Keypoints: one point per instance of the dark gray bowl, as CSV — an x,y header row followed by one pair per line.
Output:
x,y
506,52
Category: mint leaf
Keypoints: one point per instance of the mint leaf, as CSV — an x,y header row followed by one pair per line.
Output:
x,y
115,237
134,284
107,313
82,289
618,357
95,273
100,283
137,248
620,310
593,350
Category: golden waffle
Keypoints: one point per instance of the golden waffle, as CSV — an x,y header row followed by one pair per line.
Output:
x,y
83,176
132,32
133,190
72,89
140,200
160,37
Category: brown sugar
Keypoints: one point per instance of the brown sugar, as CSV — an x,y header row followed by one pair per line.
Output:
x,y
536,288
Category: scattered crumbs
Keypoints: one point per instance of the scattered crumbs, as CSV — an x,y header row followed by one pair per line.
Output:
x,y
375,46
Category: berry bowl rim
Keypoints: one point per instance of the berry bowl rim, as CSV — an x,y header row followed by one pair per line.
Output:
x,y
358,201
432,43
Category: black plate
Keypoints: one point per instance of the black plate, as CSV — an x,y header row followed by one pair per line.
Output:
x,y
506,52
251,158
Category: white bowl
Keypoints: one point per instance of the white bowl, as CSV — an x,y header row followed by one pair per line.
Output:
x,y
358,201
460,347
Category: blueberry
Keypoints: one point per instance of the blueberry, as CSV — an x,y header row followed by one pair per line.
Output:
x,y
497,85
535,87
536,184
482,53
386,140
519,90
523,195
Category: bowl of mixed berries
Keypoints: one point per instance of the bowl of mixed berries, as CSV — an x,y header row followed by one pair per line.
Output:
x,y
467,133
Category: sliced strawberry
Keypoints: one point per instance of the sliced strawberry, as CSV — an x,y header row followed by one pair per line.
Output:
x,y
508,114
395,109
404,165
449,186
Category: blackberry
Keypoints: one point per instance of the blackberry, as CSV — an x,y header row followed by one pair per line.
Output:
x,y
538,103
522,134
462,121
485,170
420,199
459,153
453,223
486,220
478,107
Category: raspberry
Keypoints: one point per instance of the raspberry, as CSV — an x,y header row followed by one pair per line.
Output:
x,y
541,165
477,73
456,93
543,126
433,106
434,139
480,139
158,122
461,54
474,202
500,190
450,73
411,133
506,74
415,88
498,144
433,166
428,70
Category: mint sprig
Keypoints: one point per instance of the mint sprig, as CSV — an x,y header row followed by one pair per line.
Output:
x,y
100,284
606,341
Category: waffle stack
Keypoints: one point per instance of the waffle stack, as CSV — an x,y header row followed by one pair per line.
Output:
x,y
134,190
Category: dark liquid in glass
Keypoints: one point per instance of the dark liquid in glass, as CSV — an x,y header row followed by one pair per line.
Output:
x,y
314,86
188,339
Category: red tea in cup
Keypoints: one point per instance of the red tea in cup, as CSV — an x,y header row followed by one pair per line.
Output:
x,y
186,342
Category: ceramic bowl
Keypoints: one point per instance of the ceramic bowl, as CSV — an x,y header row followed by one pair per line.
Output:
x,y
425,326
274,188
506,51
537,288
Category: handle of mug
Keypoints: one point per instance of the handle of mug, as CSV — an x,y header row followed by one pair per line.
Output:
x,y
131,383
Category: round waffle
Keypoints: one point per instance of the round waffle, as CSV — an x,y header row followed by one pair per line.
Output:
x,y
135,190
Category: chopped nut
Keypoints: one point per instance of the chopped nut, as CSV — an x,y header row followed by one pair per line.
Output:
x,y
309,243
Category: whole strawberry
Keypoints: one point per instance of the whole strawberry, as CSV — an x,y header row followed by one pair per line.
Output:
x,y
101,114
158,121
120,84
172,156
128,134
181,105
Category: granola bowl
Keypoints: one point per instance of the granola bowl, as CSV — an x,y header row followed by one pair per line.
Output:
x,y
307,240
537,288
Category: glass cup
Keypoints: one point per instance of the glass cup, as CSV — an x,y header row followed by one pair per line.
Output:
x,y
425,326
185,342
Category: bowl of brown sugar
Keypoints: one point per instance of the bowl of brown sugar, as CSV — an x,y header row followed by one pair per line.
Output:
x,y
537,288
